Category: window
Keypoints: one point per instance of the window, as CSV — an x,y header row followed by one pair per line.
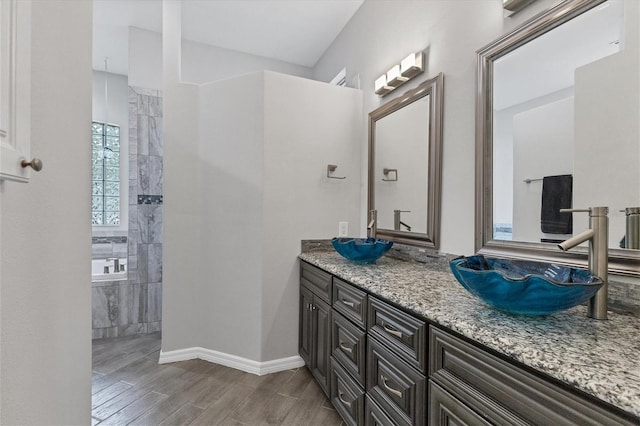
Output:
x,y
105,172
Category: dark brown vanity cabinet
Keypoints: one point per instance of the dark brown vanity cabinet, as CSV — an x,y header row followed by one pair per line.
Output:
x,y
381,365
314,340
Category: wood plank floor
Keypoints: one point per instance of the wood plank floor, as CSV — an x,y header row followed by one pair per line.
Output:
x,y
131,388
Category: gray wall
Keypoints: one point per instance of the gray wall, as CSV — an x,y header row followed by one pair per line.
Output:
x,y
450,32
45,362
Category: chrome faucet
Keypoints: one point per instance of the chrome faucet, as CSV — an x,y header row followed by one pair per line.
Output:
x,y
372,227
598,237
397,221
116,264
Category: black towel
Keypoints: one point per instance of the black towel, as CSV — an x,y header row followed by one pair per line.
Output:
x,y
557,193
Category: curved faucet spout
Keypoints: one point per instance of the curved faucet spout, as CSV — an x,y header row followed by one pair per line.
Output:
x,y
574,241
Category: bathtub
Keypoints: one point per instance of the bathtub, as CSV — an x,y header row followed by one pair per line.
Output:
x,y
98,270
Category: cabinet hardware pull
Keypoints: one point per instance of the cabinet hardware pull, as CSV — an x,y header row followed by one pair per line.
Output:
x,y
391,330
35,164
349,304
345,347
389,388
344,401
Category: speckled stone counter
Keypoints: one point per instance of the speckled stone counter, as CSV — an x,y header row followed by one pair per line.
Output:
x,y
600,358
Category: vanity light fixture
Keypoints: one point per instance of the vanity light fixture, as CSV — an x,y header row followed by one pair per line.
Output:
x,y
513,6
381,87
400,73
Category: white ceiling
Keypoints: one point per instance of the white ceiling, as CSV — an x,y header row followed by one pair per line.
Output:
x,y
295,31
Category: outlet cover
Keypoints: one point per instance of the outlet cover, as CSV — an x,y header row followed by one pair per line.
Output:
x,y
343,229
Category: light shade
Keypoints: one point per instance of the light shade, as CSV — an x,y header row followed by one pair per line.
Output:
x,y
394,79
381,87
412,65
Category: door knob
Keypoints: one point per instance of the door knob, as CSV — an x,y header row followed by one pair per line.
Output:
x,y
35,164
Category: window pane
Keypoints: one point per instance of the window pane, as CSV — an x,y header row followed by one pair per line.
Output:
x,y
96,204
112,174
97,188
112,188
113,218
96,218
105,171
112,204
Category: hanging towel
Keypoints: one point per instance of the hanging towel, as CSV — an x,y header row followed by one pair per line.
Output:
x,y
557,193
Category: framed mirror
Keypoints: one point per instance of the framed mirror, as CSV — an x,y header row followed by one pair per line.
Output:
x,y
557,101
405,156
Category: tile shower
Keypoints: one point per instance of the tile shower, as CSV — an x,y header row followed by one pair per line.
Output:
x,y
134,305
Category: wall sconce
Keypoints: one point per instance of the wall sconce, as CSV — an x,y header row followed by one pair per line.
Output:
x,y
513,6
399,74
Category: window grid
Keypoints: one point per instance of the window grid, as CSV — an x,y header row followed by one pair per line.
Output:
x,y
105,172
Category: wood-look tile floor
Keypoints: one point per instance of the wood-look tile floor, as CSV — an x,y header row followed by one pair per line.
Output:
x,y
131,388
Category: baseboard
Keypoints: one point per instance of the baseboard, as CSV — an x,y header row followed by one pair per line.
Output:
x,y
233,361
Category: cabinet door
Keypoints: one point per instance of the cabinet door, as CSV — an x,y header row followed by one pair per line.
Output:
x,y
305,333
15,89
444,409
321,345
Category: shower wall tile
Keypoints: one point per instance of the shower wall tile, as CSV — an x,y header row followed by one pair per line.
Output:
x,y
133,167
155,136
154,302
152,327
143,174
155,223
143,223
154,270
120,250
132,329
143,263
143,135
129,298
133,189
143,104
155,106
101,251
154,176
145,91
104,333
104,306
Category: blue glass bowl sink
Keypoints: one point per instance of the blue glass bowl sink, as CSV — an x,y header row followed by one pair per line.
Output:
x,y
524,287
361,250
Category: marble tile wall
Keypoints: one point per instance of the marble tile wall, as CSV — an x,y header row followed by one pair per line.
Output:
x,y
134,306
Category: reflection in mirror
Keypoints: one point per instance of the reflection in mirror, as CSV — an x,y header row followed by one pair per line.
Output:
x,y
405,139
557,128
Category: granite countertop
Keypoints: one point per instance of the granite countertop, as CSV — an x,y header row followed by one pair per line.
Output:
x,y
598,357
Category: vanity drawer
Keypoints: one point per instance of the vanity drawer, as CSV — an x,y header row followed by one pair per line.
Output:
x,y
395,386
405,334
480,379
349,346
317,280
350,302
375,416
346,395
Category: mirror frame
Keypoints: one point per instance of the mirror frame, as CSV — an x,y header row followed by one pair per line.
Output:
x,y
433,87
624,262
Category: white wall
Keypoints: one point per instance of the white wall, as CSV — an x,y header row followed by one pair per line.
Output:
x,y
543,145
307,125
200,63
118,114
381,34
402,143
45,329
607,160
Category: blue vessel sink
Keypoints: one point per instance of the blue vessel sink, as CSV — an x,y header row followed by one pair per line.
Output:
x,y
361,250
525,287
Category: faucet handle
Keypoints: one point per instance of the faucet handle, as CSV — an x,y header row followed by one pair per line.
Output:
x,y
593,211
576,210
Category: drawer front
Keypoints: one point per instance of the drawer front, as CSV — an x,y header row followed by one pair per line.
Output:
x,y
444,409
349,346
350,302
375,416
477,377
394,385
404,333
346,395
318,281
